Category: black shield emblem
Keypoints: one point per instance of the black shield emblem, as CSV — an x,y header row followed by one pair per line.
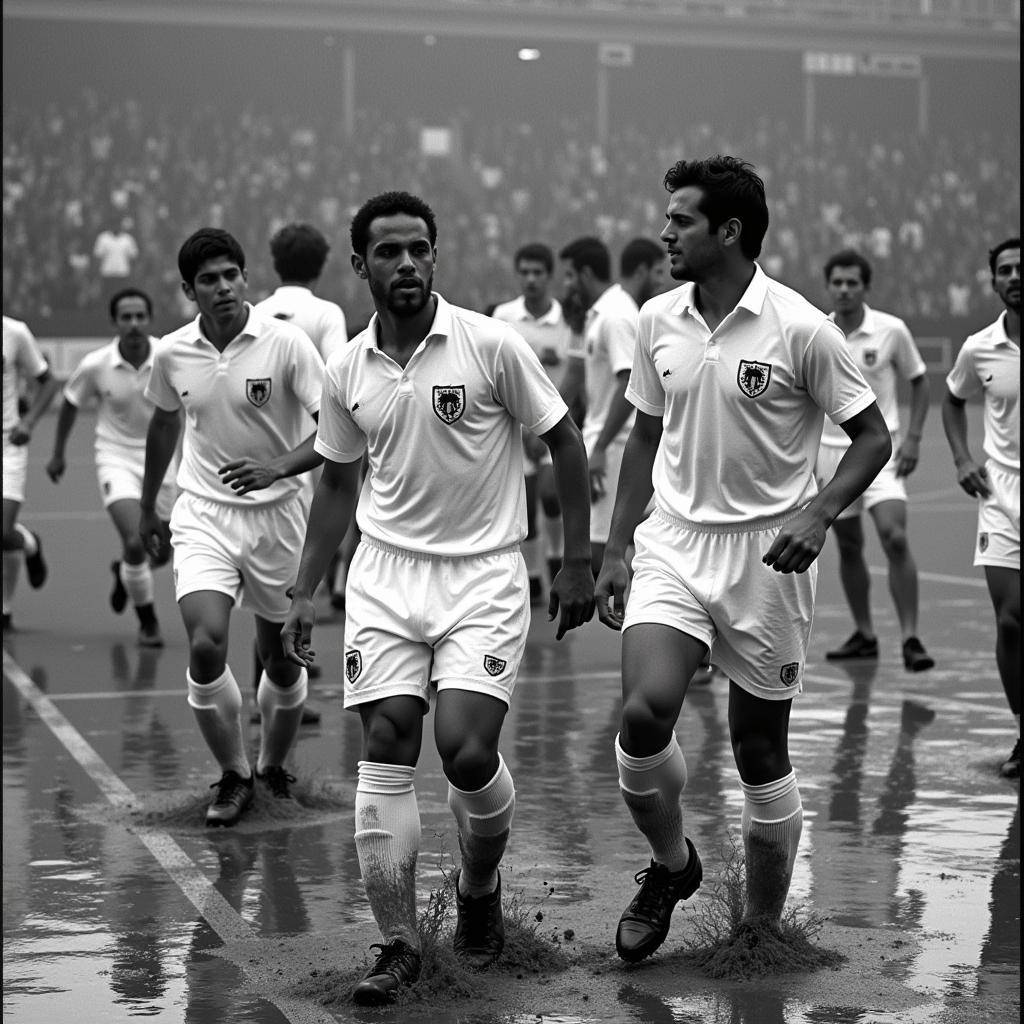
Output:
x,y
753,377
982,541
870,356
257,390
494,666
790,672
449,402
353,665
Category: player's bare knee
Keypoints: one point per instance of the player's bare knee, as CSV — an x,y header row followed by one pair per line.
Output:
x,y
208,652
646,727
132,551
894,543
760,758
471,764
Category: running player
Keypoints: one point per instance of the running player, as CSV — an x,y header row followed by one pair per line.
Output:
x,y
732,373
249,386
989,363
884,350
537,315
115,376
23,363
438,598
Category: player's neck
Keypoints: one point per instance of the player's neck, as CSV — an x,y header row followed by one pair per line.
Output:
x,y
220,336
848,322
1011,324
717,296
134,352
399,337
537,306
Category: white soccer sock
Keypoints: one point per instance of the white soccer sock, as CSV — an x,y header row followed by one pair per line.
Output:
x,y
280,717
771,826
138,582
28,539
484,817
387,844
12,567
217,706
651,787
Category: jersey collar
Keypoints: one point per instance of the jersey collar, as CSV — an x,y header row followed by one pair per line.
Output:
x,y
752,298
552,318
252,328
441,326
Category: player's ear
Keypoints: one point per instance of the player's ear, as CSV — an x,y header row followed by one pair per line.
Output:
x,y
359,265
729,231
190,292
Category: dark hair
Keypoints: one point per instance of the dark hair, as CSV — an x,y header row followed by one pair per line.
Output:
x,y
849,258
299,252
130,293
207,244
535,252
993,255
731,189
640,252
589,252
387,204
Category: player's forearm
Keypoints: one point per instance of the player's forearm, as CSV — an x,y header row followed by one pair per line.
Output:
x,y
48,387
919,398
65,424
618,413
301,459
868,453
634,492
954,423
161,440
569,459
329,516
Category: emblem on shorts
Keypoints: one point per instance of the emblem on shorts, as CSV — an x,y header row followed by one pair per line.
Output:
x,y
753,377
870,356
353,665
790,672
982,541
257,390
494,666
449,402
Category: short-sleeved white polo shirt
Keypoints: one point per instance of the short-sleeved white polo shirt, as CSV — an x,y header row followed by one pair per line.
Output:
x,y
989,361
884,350
322,320
742,405
549,331
253,399
22,362
443,434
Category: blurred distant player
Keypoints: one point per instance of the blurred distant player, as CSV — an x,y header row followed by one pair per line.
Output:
x,y
884,350
249,387
989,363
115,377
537,316
23,364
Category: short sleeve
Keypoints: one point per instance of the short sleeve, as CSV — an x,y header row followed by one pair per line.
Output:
x,y
339,437
159,390
962,380
831,375
523,386
81,385
644,389
907,357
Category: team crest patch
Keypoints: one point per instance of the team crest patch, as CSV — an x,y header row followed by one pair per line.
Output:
x,y
982,541
753,377
353,665
257,390
494,666
870,356
449,402
790,672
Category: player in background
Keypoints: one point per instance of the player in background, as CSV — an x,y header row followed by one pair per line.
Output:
x,y
732,374
249,387
438,596
884,350
23,364
537,315
115,378
989,364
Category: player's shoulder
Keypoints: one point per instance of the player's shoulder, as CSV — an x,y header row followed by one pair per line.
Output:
x,y
506,310
889,322
667,302
99,357
486,331
983,338
16,329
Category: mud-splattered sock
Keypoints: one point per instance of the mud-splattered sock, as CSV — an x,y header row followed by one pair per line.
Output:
x,y
651,787
216,706
484,817
387,845
771,826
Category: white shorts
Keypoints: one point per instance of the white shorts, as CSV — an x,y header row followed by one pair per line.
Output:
x,y
250,554
413,621
119,475
15,471
998,541
887,486
710,582
601,510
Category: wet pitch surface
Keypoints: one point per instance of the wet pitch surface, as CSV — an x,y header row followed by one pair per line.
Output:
x,y
119,905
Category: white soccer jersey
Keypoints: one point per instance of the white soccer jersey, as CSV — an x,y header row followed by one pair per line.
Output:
x,y
609,341
443,435
323,321
253,399
989,361
549,331
22,362
742,405
884,350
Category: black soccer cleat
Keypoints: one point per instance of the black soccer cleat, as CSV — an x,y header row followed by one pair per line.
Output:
x,y
644,924
397,964
35,565
915,657
857,646
118,596
277,780
480,928
233,796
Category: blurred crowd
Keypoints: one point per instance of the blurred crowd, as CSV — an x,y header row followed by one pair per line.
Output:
x,y
102,191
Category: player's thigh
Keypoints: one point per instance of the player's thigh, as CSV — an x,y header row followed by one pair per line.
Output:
x,y
206,615
125,515
11,510
467,727
207,540
890,518
759,730
392,729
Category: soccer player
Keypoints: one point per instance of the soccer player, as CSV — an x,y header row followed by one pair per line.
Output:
x,y
438,598
598,367
23,362
537,315
115,376
884,350
249,387
731,377
989,363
